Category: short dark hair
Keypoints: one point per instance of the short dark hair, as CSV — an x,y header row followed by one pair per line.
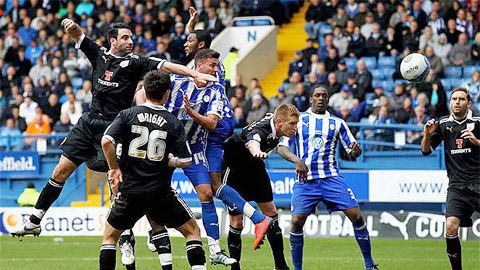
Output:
x,y
469,98
202,55
156,83
204,36
318,86
113,30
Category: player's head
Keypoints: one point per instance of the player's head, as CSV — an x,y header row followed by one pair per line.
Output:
x,y
206,61
460,101
286,119
156,84
196,41
120,38
319,98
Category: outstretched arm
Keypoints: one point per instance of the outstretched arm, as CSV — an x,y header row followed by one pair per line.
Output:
x,y
254,148
183,70
300,167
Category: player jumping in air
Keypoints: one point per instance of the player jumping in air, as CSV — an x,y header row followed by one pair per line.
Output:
x,y
115,73
460,132
318,178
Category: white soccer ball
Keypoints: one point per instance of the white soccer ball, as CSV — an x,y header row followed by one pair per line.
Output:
x,y
414,67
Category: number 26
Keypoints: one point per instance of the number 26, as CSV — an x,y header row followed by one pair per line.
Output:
x,y
156,144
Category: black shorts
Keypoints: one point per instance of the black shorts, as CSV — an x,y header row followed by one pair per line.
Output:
x,y
83,142
164,208
251,181
461,203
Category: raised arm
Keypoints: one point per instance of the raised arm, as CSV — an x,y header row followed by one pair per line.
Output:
x,y
428,129
193,20
72,29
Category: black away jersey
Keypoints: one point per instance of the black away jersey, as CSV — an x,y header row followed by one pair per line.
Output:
x,y
148,134
462,158
262,131
115,78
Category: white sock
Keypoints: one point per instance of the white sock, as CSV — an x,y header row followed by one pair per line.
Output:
x,y
213,246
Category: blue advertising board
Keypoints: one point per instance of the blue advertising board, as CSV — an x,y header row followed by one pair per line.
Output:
x,y
19,164
282,184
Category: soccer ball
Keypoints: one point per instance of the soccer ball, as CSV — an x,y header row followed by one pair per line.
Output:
x,y
414,67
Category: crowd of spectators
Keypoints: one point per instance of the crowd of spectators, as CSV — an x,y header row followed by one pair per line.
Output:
x,y
347,39
46,83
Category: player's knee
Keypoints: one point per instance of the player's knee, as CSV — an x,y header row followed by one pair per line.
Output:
x,y
298,221
205,195
452,227
236,221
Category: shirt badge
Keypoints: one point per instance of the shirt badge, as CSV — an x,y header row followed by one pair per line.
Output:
x,y
124,63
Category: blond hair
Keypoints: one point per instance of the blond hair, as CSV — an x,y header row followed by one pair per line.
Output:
x,y
286,110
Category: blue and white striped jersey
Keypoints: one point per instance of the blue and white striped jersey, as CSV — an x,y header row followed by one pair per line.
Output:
x,y
227,109
205,100
316,141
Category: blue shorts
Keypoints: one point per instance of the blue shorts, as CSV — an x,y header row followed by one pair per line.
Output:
x,y
332,191
214,149
198,171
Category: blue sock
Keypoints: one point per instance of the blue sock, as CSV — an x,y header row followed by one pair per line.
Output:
x,y
210,220
363,240
233,200
296,247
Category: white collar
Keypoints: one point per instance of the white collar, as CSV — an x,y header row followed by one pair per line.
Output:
x,y
469,116
326,114
272,125
153,106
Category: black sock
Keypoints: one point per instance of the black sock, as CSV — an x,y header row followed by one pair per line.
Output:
x,y
235,245
164,249
48,195
107,257
275,238
127,236
195,253
454,251
131,266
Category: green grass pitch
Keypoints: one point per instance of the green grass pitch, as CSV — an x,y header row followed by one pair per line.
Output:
x,y
340,254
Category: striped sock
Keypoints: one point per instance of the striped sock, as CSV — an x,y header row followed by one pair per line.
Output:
x,y
107,257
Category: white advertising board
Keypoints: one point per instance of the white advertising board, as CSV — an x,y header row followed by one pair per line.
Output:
x,y
408,186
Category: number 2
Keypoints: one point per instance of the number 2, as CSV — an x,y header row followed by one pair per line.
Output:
x,y
156,144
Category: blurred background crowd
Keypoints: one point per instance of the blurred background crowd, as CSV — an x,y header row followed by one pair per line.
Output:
x,y
354,47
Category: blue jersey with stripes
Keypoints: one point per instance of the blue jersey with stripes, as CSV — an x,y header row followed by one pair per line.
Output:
x,y
316,140
205,100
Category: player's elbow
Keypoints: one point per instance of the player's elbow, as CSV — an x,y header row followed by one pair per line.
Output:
x,y
106,142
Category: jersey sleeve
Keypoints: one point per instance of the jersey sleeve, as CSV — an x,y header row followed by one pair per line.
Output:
x,y
91,49
180,147
142,64
216,104
346,136
255,134
115,130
